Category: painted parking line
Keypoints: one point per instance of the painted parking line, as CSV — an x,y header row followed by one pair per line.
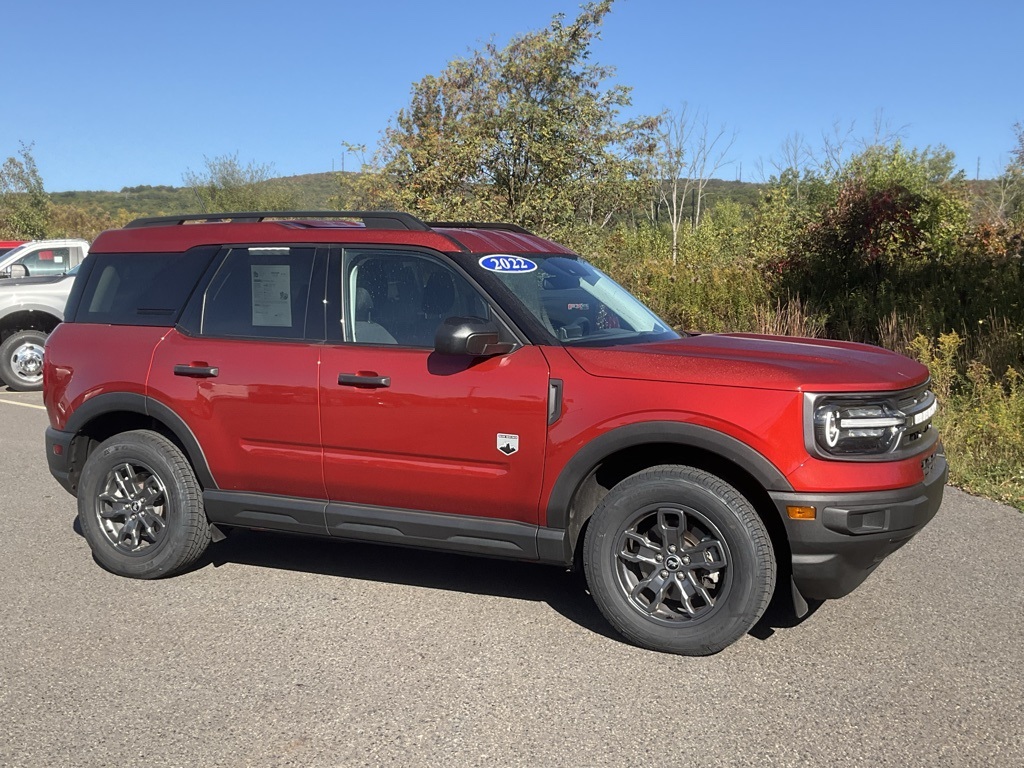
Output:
x,y
23,405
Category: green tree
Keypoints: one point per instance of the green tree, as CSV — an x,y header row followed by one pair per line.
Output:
x,y
227,186
527,133
1012,180
25,208
355,185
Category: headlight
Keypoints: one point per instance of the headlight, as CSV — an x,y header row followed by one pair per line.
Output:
x,y
870,426
865,428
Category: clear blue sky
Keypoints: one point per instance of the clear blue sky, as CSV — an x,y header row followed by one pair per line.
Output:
x,y
116,94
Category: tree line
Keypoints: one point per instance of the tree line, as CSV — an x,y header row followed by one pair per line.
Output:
x,y
859,238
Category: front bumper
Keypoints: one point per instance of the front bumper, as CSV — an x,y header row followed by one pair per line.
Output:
x,y
853,532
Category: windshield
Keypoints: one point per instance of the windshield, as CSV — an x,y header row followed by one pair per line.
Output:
x,y
576,302
11,253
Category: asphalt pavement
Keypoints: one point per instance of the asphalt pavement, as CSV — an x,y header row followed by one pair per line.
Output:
x,y
284,651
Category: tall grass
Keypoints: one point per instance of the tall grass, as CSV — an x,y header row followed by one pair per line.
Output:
x,y
981,419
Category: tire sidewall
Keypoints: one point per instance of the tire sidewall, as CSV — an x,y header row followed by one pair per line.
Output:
x,y
180,511
750,576
7,349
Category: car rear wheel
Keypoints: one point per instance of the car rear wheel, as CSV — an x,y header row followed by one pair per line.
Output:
x,y
679,561
21,360
141,507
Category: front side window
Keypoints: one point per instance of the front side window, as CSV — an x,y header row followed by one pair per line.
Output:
x,y
259,292
49,261
576,302
400,298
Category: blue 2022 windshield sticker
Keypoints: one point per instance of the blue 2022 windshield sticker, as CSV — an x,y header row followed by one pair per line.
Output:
x,y
503,263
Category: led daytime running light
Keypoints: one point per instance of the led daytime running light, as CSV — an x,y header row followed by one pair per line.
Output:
x,y
870,423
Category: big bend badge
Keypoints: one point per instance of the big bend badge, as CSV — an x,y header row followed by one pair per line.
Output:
x,y
508,444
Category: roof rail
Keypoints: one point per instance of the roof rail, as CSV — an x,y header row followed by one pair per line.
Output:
x,y
371,219
479,225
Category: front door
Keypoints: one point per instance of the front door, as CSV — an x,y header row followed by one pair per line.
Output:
x,y
406,428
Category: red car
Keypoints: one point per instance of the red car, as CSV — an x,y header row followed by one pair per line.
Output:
x,y
474,388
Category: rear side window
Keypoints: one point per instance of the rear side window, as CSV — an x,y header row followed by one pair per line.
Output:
x,y
137,288
259,293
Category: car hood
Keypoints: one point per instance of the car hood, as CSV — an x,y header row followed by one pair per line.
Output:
x,y
760,362
21,282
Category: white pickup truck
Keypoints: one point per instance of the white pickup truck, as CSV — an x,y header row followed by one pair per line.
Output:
x,y
35,280
43,258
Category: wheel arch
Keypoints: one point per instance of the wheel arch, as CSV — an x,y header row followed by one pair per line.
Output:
x,y
28,319
619,453
109,414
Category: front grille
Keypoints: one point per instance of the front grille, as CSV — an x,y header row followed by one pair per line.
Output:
x,y
918,406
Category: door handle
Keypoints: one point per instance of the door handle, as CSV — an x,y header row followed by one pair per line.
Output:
x,y
369,381
196,371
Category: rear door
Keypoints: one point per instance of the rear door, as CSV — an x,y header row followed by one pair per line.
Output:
x,y
242,370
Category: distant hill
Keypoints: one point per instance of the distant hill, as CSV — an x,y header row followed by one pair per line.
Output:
x,y
745,193
144,200
312,191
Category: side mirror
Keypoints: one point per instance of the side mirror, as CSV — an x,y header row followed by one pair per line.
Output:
x,y
471,336
17,270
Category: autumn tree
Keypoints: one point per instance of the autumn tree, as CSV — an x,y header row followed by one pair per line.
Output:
x,y
228,186
885,240
69,220
25,208
527,133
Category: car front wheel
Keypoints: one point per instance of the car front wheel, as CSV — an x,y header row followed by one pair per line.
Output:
x,y
141,507
679,561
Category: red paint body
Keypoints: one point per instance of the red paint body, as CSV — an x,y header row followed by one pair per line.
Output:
x,y
428,441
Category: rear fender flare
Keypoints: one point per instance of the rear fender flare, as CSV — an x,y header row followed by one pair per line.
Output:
x,y
120,402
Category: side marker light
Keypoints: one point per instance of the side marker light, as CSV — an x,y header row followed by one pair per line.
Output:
x,y
801,513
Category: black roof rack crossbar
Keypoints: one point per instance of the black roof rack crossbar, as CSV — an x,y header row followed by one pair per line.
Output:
x,y
372,219
478,225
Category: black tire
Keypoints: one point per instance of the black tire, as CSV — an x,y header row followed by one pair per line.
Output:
x,y
141,507
21,360
678,561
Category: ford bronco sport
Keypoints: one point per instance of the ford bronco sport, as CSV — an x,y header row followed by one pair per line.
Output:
x,y
475,388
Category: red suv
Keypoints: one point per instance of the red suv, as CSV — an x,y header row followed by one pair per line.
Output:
x,y
475,388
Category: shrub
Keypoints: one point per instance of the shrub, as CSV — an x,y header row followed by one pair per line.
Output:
x,y
980,417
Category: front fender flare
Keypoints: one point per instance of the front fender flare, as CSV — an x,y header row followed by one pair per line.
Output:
x,y
682,434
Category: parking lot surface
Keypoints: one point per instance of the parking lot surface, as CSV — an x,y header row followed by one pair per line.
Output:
x,y
284,651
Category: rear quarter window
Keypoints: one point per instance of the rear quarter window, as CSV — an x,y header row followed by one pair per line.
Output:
x,y
136,288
